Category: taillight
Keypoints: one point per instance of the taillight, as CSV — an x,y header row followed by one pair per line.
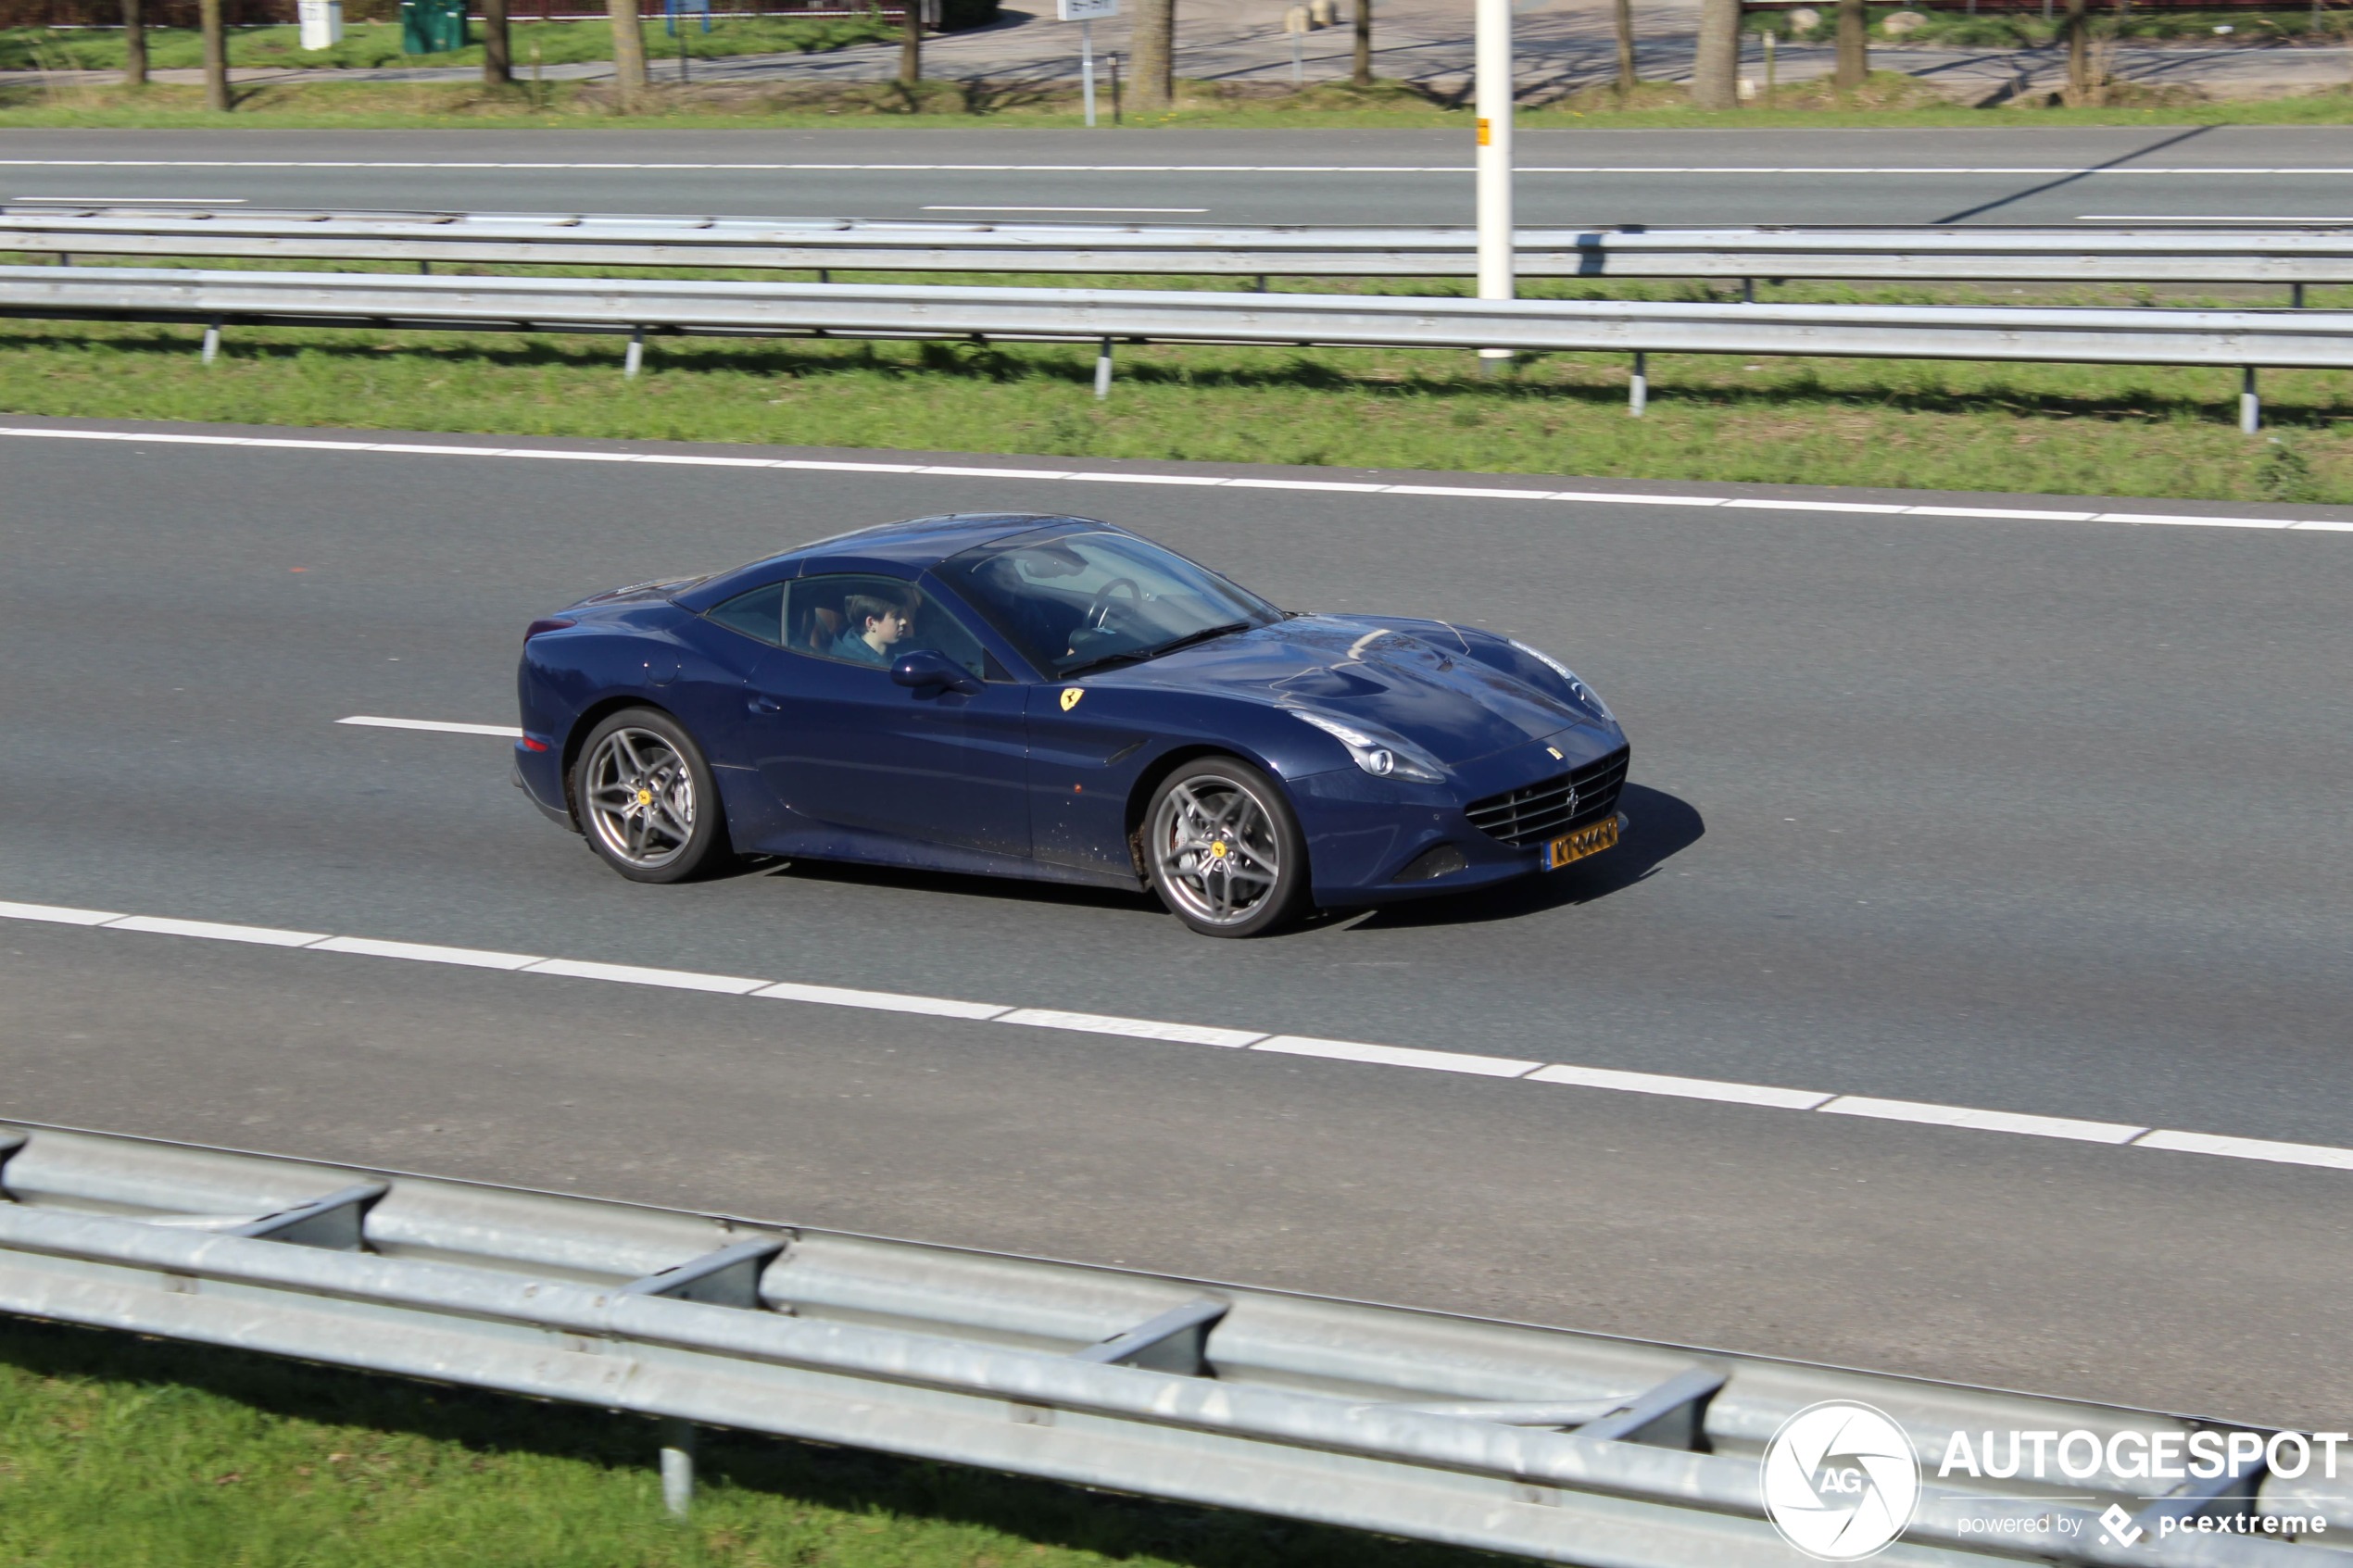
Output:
x,y
546,623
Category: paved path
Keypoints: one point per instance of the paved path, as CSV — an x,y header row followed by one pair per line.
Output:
x,y
1558,47
2042,818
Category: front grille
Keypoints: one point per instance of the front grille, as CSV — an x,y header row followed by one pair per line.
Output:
x,y
1546,810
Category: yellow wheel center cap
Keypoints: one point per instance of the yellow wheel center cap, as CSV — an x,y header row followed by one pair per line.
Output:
x,y
645,798
1217,851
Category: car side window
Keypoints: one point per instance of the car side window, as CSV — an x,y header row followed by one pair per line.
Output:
x,y
760,614
863,619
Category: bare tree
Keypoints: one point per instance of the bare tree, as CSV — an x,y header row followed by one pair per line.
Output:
x,y
2079,53
1854,46
628,55
134,43
1713,72
911,46
1153,43
1363,75
1625,78
497,55
216,55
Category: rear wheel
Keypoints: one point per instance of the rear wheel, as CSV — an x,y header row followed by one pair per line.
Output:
x,y
646,798
1223,851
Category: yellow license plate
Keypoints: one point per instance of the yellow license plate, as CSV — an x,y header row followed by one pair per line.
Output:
x,y
1577,844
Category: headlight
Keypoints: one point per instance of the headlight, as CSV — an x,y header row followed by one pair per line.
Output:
x,y
1384,757
1584,694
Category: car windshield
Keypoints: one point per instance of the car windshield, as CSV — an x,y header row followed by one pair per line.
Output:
x,y
1084,600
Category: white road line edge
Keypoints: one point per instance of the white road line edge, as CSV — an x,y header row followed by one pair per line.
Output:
x,y
369,721
2158,171
1956,1117
1234,481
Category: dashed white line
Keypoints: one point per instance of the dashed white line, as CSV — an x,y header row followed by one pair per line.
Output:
x,y
1231,481
1000,209
1958,1117
375,722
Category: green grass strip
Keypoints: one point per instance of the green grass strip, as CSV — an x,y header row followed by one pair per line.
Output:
x,y
119,1452
2077,429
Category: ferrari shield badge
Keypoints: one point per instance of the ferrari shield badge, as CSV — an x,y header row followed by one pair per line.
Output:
x,y
1070,698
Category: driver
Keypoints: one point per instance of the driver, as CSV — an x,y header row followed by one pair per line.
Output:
x,y
875,625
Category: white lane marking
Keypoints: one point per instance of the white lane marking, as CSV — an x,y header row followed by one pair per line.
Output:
x,y
2017,513
1231,481
58,914
1470,493
631,975
1764,1096
419,952
945,208
1134,1028
134,201
375,722
2249,1148
1983,1121
2200,521
2155,171
1399,1056
881,1001
214,931
1681,1088
2178,217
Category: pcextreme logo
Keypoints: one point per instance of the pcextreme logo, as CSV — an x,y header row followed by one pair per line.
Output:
x,y
1841,1481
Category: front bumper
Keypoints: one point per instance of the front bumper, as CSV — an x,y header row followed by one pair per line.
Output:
x,y
1363,832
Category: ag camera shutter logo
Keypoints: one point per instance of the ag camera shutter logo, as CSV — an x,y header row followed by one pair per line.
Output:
x,y
1840,1481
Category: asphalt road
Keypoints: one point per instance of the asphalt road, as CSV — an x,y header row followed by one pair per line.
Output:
x,y
2038,818
1599,176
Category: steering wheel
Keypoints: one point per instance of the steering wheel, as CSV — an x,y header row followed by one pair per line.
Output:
x,y
1098,614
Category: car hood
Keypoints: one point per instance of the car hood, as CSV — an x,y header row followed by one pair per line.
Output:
x,y
1426,690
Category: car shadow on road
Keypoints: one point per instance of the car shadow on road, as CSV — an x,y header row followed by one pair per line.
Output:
x,y
1658,827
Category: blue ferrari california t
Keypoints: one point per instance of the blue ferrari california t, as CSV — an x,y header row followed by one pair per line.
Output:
x,y
1058,698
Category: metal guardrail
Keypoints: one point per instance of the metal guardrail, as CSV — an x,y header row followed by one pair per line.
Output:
x,y
2305,339
1543,1443
2294,257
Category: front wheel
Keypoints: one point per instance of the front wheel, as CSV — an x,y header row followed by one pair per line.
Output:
x,y
1223,851
646,798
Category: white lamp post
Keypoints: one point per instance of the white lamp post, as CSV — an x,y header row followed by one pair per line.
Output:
x,y
1492,100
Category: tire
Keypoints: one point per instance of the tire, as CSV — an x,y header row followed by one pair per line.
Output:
x,y
645,800
1223,851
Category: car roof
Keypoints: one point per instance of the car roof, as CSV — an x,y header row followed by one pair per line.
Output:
x,y
911,545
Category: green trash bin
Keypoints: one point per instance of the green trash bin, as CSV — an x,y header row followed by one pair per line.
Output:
x,y
431,27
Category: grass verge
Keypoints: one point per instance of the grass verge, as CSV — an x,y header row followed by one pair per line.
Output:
x,y
2084,430
1888,101
117,1452
366,45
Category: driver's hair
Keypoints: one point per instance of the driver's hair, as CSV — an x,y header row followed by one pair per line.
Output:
x,y
861,607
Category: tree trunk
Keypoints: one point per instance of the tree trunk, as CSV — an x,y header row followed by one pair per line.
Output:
x,y
1713,72
134,43
1153,45
216,57
911,46
497,55
1853,47
2079,53
1363,75
1625,78
628,55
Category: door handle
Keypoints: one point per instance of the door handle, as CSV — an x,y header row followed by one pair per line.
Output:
x,y
765,705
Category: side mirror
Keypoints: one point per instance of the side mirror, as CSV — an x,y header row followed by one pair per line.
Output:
x,y
929,670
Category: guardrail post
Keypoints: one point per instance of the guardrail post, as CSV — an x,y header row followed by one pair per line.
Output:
x,y
2250,406
212,340
1103,370
635,360
1638,392
677,1466
2296,296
